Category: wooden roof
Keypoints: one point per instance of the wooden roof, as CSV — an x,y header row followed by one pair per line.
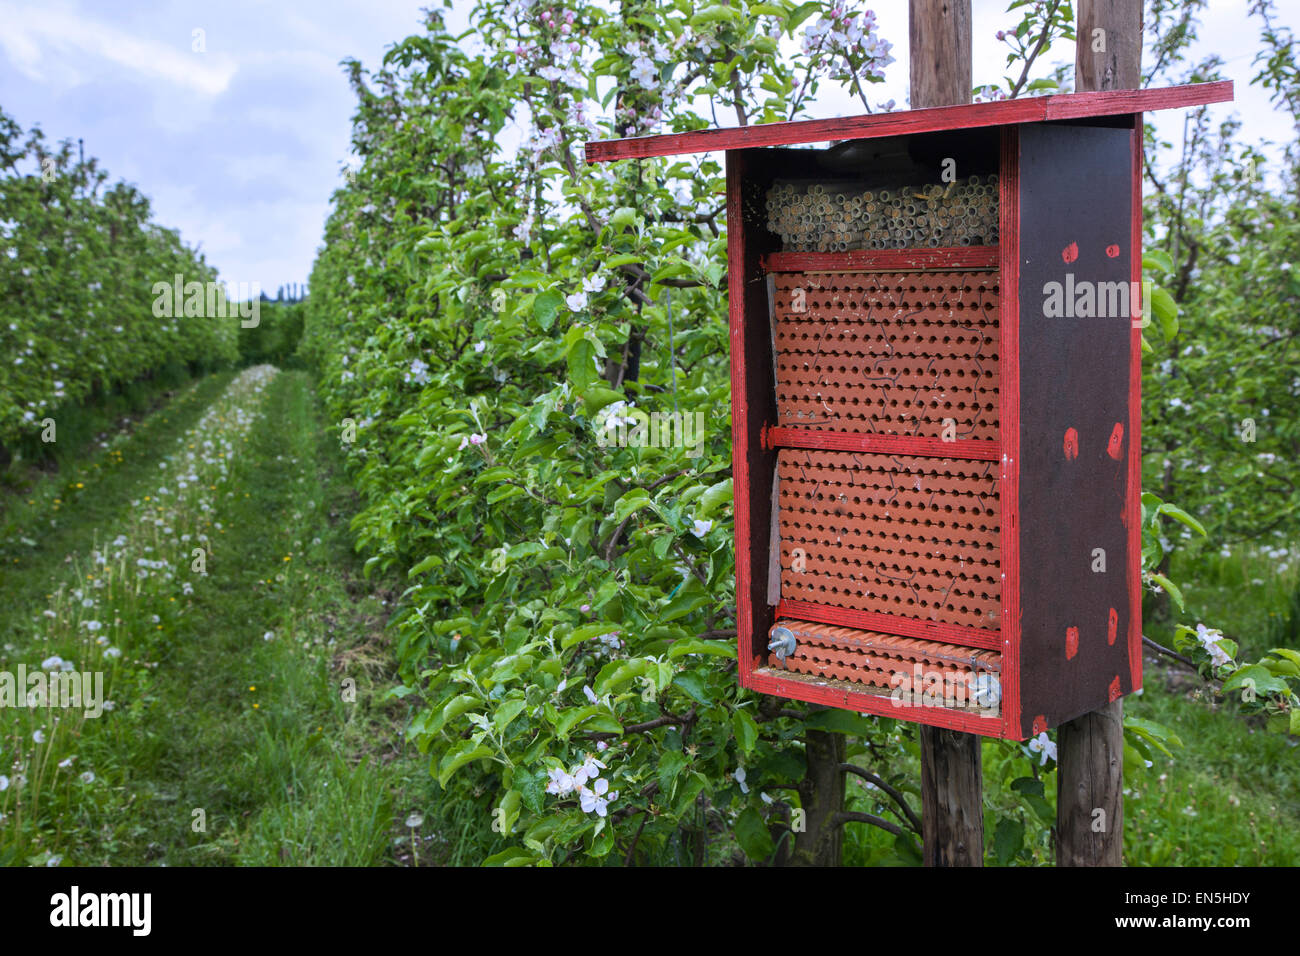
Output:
x,y
1032,109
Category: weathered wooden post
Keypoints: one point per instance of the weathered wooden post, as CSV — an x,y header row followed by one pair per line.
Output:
x,y
952,817
1090,749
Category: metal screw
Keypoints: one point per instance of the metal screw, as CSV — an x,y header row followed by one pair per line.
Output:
x,y
782,643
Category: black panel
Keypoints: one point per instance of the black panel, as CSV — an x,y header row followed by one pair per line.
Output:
x,y
1075,193
757,175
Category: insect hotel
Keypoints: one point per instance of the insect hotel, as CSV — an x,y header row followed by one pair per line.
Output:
x,y
936,369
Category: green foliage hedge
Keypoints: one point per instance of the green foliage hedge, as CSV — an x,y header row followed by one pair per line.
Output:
x,y
78,261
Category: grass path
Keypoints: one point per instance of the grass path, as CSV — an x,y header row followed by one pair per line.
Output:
x,y
252,735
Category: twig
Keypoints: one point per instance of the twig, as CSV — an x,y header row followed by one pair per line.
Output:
x,y
851,816
886,788
627,860
1161,649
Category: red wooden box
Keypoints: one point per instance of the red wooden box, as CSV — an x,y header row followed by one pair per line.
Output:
x,y
936,446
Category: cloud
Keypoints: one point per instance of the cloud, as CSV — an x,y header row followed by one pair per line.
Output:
x,y
37,39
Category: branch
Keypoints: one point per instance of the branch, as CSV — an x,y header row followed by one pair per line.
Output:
x,y
850,816
631,849
648,725
885,788
1167,652
1038,48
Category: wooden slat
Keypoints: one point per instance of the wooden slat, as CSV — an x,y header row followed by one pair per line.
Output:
x,y
794,686
967,449
945,259
889,624
967,116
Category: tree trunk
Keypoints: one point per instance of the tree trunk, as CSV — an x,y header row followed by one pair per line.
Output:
x,y
822,794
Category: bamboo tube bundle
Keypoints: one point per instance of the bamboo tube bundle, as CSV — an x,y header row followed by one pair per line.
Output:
x,y
842,216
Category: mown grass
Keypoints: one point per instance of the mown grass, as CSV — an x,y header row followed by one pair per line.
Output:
x,y
242,743
45,515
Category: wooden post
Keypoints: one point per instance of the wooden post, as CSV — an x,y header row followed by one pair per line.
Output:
x,y
1090,749
939,50
952,811
1108,45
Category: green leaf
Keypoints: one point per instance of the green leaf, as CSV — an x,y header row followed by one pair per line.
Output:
x,y
693,686
597,397
1178,514
713,497
1157,259
693,646
752,835
1166,312
582,364
690,596
432,561
586,632
1255,677
1169,586
746,730
531,790
454,708
511,856
1008,840
632,501
573,716
467,752
802,13
670,765
839,721
546,306
508,811
506,713
624,218
1028,786
602,840
1286,652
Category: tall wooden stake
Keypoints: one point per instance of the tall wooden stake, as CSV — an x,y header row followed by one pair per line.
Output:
x,y
952,812
1090,749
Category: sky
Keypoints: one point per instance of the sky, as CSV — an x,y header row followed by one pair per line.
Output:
x,y
234,117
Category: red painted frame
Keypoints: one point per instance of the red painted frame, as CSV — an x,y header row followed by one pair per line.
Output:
x,y
1009,422
1133,506
1033,109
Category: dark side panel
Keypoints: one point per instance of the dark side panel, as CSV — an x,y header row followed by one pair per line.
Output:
x,y
1075,350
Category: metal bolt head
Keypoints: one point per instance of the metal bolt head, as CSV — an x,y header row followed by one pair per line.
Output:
x,y
987,690
781,642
